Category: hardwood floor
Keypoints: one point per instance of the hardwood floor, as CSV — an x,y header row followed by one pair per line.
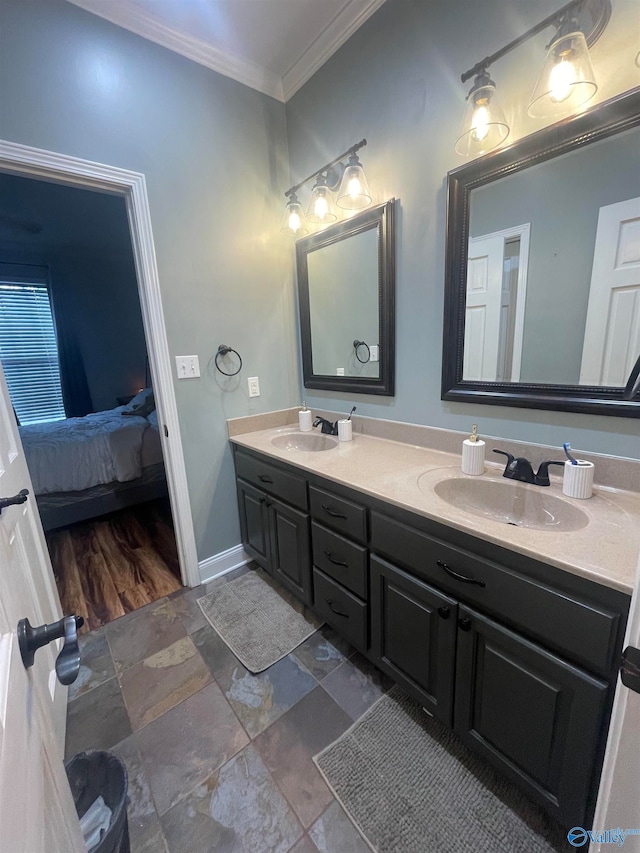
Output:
x,y
115,564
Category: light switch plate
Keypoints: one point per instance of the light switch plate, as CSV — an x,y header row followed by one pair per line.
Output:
x,y
339,371
187,366
375,352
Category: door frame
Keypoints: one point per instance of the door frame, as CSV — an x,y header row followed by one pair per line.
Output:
x,y
25,160
523,232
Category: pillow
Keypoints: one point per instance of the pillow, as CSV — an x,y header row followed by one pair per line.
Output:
x,y
153,418
141,405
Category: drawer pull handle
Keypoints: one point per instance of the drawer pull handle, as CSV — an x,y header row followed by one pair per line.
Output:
x,y
457,576
333,512
334,610
444,612
464,624
264,478
333,560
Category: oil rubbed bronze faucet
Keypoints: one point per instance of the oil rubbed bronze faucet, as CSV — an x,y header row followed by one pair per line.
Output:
x,y
519,468
327,427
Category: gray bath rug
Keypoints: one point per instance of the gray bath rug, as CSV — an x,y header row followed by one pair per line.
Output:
x,y
409,784
259,621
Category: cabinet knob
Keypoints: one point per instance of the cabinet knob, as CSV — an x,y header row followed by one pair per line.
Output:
x,y
464,624
444,612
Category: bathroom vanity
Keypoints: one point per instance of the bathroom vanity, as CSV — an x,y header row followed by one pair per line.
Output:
x,y
506,634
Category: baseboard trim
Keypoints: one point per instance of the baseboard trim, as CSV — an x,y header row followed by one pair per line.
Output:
x,y
220,564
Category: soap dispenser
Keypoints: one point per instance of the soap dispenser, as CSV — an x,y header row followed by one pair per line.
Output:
x,y
473,453
304,418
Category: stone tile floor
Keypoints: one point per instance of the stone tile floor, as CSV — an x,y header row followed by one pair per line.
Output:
x,y
219,759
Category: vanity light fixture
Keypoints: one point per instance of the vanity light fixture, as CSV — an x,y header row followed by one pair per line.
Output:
x,y
348,180
484,125
320,208
293,219
566,81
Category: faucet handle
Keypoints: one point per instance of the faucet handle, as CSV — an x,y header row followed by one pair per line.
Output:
x,y
542,477
510,457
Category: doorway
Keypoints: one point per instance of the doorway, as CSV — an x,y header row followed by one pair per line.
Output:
x,y
130,187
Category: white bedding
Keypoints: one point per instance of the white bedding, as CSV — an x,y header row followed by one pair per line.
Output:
x,y
75,454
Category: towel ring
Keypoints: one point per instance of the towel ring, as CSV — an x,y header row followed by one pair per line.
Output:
x,y
357,344
223,349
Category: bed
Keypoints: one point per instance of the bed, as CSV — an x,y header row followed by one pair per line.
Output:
x,y
85,467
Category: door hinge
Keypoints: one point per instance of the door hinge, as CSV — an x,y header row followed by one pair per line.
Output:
x,y
166,431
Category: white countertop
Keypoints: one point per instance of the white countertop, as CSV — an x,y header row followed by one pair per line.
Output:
x,y
605,551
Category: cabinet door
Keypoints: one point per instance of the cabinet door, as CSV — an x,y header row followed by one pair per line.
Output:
x,y
290,548
530,713
413,635
254,523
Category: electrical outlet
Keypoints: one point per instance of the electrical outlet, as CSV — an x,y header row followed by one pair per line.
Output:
x,y
339,371
375,352
187,366
254,386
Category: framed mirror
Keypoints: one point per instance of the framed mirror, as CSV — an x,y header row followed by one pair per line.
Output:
x,y
346,290
542,279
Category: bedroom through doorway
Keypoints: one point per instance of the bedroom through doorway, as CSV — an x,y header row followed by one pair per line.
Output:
x,y
73,348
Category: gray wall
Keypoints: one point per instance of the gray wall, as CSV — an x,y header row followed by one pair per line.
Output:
x,y
214,156
561,199
397,83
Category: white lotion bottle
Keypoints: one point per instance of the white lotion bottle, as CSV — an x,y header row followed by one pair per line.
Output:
x,y
305,420
473,454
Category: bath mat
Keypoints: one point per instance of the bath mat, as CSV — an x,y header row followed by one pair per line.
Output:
x,y
259,621
408,783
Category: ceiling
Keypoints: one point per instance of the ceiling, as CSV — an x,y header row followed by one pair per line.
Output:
x,y
273,46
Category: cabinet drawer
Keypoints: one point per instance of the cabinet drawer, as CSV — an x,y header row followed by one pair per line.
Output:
x,y
339,558
581,628
270,479
341,609
339,513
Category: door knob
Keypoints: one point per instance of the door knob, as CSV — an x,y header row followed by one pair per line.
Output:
x,y
20,498
31,639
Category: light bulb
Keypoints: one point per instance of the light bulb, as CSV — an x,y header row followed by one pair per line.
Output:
x,y
480,123
561,79
353,187
294,221
321,208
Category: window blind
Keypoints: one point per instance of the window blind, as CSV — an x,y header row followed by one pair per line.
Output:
x,y
29,352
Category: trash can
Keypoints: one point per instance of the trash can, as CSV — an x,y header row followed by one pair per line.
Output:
x,y
95,774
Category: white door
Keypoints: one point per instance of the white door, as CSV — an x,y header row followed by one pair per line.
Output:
x,y
36,807
485,315
612,330
618,804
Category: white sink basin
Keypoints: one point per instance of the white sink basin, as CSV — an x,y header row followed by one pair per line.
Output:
x,y
509,502
305,441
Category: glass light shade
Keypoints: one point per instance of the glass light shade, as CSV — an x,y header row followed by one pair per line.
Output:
x,y
293,219
484,125
320,209
566,81
354,191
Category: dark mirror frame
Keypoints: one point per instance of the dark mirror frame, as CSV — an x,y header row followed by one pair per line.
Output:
x,y
604,120
381,218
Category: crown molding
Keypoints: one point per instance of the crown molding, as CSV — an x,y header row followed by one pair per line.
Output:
x,y
334,35
199,51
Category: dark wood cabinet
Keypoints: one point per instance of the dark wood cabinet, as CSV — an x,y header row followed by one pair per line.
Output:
x,y
529,712
290,548
518,657
254,523
413,636
274,533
